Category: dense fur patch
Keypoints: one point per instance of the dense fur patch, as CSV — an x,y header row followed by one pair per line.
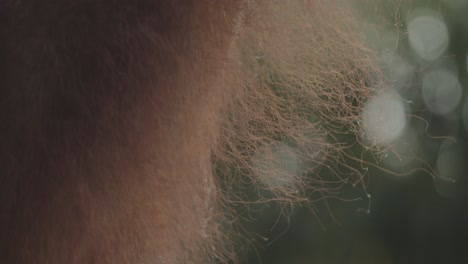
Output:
x,y
113,113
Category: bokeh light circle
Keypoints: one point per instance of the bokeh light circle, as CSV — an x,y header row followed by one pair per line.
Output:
x,y
384,118
428,35
275,164
441,91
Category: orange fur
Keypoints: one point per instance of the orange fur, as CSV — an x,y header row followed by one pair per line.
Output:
x,y
113,112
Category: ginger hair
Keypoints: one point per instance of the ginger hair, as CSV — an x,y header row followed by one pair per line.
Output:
x,y
123,122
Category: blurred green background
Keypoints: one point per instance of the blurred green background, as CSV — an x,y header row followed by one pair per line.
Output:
x,y
415,218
